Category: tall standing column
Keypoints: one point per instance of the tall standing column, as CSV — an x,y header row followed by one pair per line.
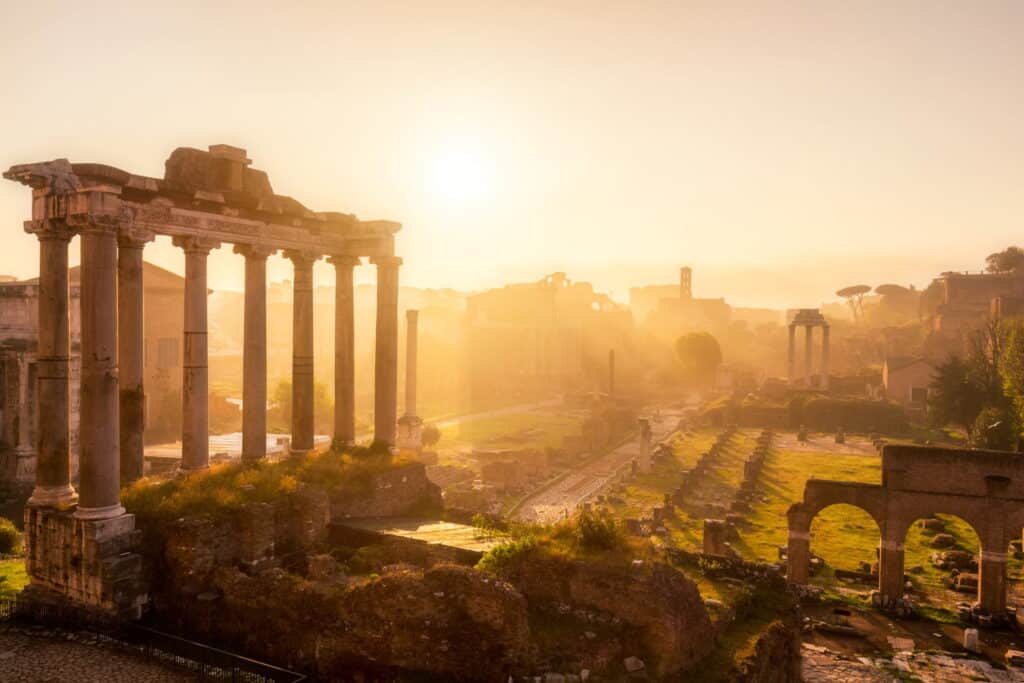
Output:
x,y
99,458
386,362
825,330
344,350
411,342
195,386
808,343
254,355
791,357
53,470
131,349
302,352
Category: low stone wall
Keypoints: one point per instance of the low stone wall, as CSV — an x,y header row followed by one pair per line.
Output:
x,y
391,494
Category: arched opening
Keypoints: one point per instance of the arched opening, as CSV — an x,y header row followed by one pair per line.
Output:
x,y
844,547
941,563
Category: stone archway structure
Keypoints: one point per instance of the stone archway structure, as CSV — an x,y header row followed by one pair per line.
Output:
x,y
984,488
78,541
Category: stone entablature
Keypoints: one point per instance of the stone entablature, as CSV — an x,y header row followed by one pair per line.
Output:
x,y
984,488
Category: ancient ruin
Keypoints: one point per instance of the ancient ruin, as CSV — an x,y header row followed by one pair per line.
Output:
x,y
79,541
809,318
984,488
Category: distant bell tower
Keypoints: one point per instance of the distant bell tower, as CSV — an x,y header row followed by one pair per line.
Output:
x,y
685,283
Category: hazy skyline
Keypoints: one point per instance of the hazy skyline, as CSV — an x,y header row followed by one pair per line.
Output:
x,y
781,150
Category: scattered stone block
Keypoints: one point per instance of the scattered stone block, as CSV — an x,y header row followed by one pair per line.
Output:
x,y
943,541
635,664
971,640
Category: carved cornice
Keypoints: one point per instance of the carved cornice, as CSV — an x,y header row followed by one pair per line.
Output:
x,y
193,244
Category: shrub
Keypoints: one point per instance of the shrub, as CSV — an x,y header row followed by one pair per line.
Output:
x,y
859,415
10,537
500,557
597,531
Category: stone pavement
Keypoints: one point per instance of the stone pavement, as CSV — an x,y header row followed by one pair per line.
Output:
x,y
47,658
821,665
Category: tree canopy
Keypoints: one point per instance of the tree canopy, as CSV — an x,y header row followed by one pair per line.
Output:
x,y
1008,260
700,355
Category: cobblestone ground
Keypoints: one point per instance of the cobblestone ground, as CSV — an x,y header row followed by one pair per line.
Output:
x,y
47,658
823,666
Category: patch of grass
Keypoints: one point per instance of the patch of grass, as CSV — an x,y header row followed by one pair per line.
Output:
x,y
224,489
10,537
13,576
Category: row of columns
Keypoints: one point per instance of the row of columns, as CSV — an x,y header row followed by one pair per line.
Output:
x,y
112,350
808,353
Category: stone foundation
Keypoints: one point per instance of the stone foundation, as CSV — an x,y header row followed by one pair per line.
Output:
x,y
87,561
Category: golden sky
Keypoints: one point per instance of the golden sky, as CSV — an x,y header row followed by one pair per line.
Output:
x,y
783,149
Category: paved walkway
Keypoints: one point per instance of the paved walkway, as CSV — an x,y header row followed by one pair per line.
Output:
x,y
821,665
553,502
47,659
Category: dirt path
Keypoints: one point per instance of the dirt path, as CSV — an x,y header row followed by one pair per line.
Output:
x,y
559,498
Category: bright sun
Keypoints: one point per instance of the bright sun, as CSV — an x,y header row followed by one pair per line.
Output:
x,y
462,173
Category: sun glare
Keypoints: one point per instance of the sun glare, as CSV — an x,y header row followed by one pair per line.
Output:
x,y
461,173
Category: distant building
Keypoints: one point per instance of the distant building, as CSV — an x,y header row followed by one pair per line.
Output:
x,y
907,381
530,339
19,303
672,309
965,300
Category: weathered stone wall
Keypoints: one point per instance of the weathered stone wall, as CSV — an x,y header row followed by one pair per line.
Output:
x,y
776,656
390,494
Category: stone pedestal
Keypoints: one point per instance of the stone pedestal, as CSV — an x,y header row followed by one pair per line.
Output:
x,y
88,561
644,460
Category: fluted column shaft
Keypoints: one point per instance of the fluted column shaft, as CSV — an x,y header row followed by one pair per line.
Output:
x,y
302,352
386,362
53,471
254,357
808,343
131,351
344,350
195,386
411,343
825,332
99,485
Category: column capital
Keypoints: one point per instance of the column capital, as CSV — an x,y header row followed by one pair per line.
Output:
x,y
134,237
386,261
195,243
51,229
344,261
255,251
302,257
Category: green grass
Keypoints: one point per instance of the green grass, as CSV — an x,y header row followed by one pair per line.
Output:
x,y
12,576
529,429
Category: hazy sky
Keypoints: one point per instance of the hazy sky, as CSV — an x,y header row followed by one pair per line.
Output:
x,y
782,149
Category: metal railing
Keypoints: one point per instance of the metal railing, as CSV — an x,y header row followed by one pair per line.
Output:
x,y
209,663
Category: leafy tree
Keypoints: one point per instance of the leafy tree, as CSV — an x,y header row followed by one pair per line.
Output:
x,y
1008,260
995,427
10,538
956,396
1011,364
700,356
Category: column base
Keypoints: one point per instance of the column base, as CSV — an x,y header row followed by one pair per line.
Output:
x,y
299,452
100,513
57,497
89,562
184,471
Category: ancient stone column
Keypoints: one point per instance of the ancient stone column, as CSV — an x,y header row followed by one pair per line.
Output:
x,y
195,417
992,582
411,337
808,364
254,355
386,362
344,350
791,358
644,461
302,352
53,472
131,351
825,330
99,455
890,568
